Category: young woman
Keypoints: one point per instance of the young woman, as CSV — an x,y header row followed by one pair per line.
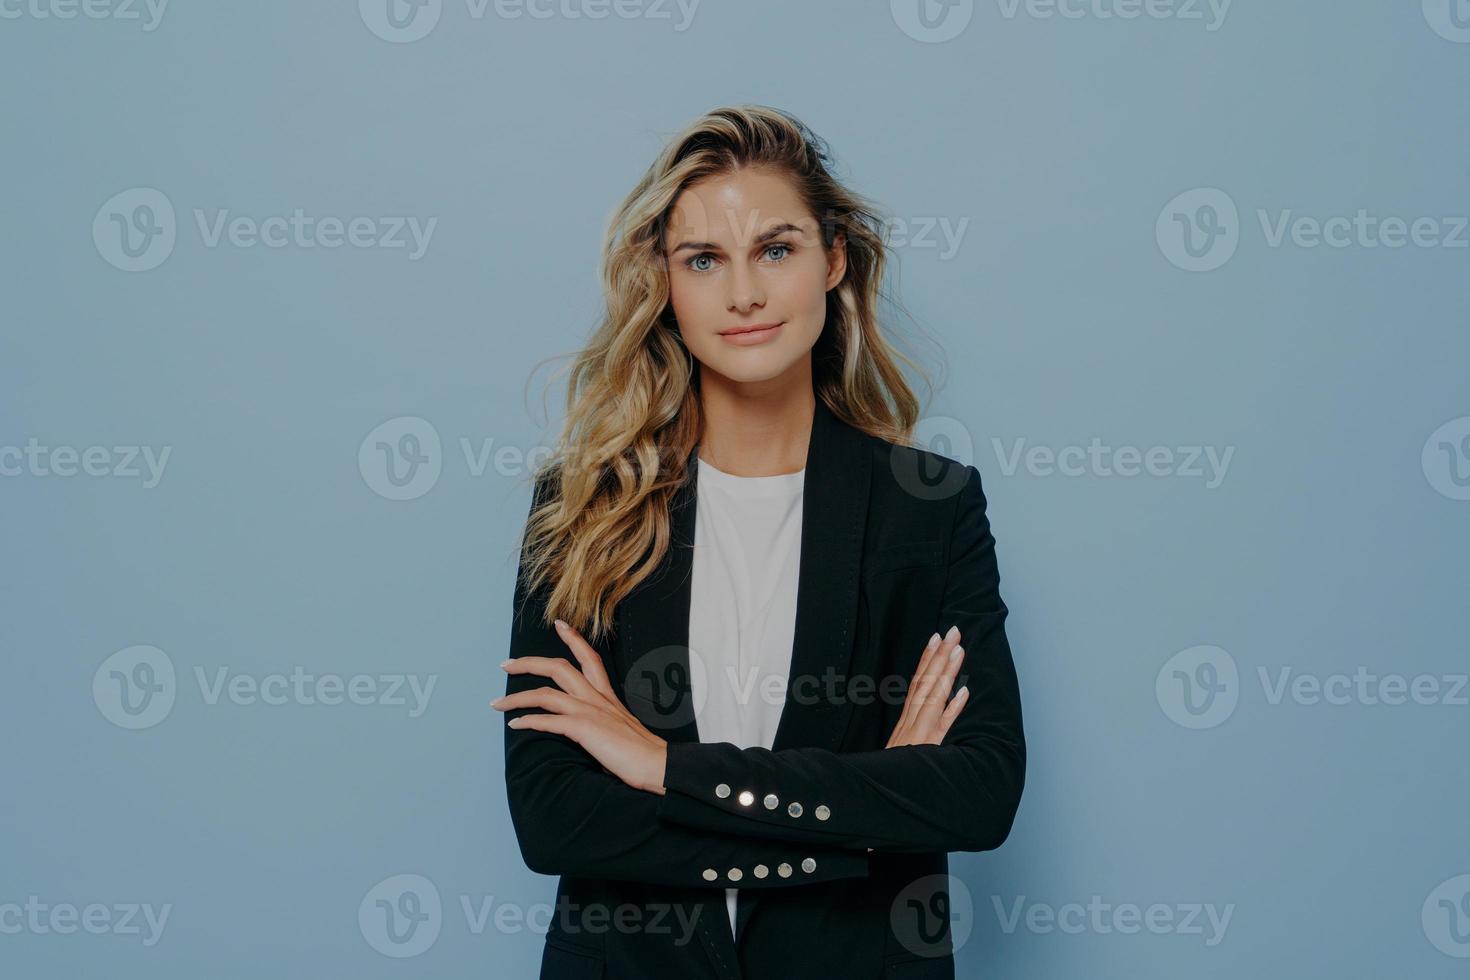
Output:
x,y
759,682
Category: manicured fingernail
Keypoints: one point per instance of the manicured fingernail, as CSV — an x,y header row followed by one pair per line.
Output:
x,y
505,663
956,655
514,723
953,634
932,641
560,624
963,692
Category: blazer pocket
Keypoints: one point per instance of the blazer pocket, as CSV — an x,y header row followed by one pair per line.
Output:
x,y
907,555
560,962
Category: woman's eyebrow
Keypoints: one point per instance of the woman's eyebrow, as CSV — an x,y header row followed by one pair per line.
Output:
x,y
764,236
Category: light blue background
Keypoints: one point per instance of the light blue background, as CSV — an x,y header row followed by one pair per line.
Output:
x,y
1061,317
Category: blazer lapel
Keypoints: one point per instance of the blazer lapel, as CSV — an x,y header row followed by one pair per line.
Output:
x,y
834,512
651,645
651,649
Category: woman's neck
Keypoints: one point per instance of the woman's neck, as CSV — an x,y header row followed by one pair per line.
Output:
x,y
764,434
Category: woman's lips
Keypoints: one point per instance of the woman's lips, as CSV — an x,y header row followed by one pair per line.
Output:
x,y
748,337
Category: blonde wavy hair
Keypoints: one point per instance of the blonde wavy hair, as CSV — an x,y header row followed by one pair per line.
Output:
x,y
600,522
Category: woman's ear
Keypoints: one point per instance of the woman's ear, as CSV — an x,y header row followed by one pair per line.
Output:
x,y
837,260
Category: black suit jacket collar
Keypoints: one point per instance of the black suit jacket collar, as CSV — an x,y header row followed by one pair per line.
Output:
x,y
652,647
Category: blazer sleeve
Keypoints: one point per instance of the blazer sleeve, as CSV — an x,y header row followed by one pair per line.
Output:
x,y
961,795
572,817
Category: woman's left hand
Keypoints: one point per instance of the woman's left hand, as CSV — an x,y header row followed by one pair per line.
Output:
x,y
587,711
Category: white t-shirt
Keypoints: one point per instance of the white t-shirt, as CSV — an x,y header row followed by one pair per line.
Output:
x,y
742,614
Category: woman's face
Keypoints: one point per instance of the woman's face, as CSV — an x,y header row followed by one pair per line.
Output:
x,y
744,251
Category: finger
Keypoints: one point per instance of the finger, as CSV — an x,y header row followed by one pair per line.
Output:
x,y
934,670
938,696
555,724
591,662
930,700
895,737
563,671
939,657
546,698
934,653
595,673
906,714
918,687
952,711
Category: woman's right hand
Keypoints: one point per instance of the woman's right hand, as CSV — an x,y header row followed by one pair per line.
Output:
x,y
928,710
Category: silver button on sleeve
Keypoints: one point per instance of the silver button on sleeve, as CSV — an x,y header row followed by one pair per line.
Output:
x,y
746,797
794,809
722,790
823,812
783,869
734,874
761,870
808,865
771,801
710,874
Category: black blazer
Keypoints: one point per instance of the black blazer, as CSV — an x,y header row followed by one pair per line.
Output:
x,y
895,545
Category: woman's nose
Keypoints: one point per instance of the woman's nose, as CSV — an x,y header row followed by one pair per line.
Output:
x,y
745,291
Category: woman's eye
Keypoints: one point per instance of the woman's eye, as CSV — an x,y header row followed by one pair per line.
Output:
x,y
696,264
